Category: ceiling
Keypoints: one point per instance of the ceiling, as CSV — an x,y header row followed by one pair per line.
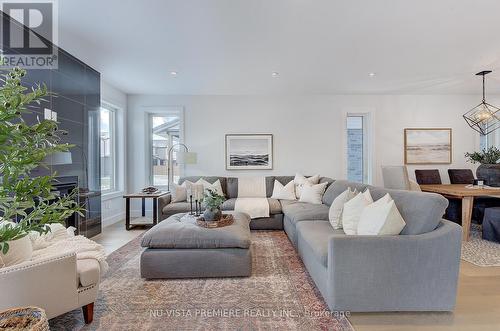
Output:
x,y
223,47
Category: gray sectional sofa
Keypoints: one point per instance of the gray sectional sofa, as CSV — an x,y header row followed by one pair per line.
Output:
x,y
415,271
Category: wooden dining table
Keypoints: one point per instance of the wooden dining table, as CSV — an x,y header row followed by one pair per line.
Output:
x,y
466,193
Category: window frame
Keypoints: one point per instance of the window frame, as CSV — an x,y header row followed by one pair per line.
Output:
x,y
113,150
150,112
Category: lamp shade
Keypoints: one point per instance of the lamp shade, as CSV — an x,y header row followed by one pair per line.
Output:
x,y
187,158
59,158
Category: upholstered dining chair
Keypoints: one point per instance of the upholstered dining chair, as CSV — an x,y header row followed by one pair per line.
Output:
x,y
461,176
432,176
466,176
428,176
396,178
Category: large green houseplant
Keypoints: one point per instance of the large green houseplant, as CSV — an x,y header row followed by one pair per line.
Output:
x,y
489,168
27,202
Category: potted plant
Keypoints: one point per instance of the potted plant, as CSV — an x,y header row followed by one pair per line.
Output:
x,y
489,170
213,202
27,202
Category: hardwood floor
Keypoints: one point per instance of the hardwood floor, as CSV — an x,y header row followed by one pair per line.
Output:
x,y
478,307
115,236
478,300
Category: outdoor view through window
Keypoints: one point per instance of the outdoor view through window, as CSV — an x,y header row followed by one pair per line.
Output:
x,y
165,134
107,125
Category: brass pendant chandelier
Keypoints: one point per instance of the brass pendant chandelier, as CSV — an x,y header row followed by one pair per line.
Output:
x,y
484,118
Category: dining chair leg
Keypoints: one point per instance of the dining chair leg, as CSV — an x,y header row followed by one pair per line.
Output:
x,y
467,206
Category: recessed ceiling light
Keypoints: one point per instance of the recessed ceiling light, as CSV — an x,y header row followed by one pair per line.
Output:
x,y
173,73
372,74
275,74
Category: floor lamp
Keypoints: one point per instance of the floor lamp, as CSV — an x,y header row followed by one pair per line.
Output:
x,y
186,157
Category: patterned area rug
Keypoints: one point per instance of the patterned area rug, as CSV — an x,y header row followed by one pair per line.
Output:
x,y
480,252
279,295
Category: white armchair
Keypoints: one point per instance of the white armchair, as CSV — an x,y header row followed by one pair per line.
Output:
x,y
57,284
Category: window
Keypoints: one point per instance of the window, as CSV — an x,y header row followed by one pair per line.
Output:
x,y
492,139
357,148
108,148
483,142
165,133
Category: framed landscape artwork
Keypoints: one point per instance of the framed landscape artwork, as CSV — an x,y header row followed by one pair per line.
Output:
x,y
428,146
249,151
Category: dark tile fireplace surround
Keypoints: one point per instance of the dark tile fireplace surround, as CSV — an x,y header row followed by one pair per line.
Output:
x,y
77,102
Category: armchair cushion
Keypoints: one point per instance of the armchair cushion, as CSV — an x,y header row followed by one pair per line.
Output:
x,y
87,271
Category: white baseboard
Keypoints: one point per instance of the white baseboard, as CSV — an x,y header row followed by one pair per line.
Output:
x,y
113,219
121,216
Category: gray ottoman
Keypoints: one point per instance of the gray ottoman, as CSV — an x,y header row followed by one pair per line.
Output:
x,y
491,224
176,249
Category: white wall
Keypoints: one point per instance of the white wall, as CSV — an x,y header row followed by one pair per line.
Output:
x,y
308,130
113,206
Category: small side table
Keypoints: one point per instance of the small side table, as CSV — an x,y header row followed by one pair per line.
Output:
x,y
155,196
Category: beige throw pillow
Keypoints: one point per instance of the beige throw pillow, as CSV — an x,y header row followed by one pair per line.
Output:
x,y
281,192
216,186
335,212
301,180
313,193
20,250
180,192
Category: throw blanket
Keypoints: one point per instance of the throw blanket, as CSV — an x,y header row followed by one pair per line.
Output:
x,y
60,240
251,187
252,197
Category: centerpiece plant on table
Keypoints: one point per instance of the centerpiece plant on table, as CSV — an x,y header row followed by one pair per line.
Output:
x,y
213,202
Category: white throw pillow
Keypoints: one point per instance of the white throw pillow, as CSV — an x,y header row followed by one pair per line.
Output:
x,y
180,192
300,180
381,218
286,192
313,193
20,250
335,212
216,186
353,208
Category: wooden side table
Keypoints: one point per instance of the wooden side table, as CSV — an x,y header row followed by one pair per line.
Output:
x,y
155,196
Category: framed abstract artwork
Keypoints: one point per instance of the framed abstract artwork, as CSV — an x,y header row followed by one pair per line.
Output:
x,y
249,151
427,146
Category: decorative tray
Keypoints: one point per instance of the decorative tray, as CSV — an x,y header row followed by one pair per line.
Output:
x,y
227,219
